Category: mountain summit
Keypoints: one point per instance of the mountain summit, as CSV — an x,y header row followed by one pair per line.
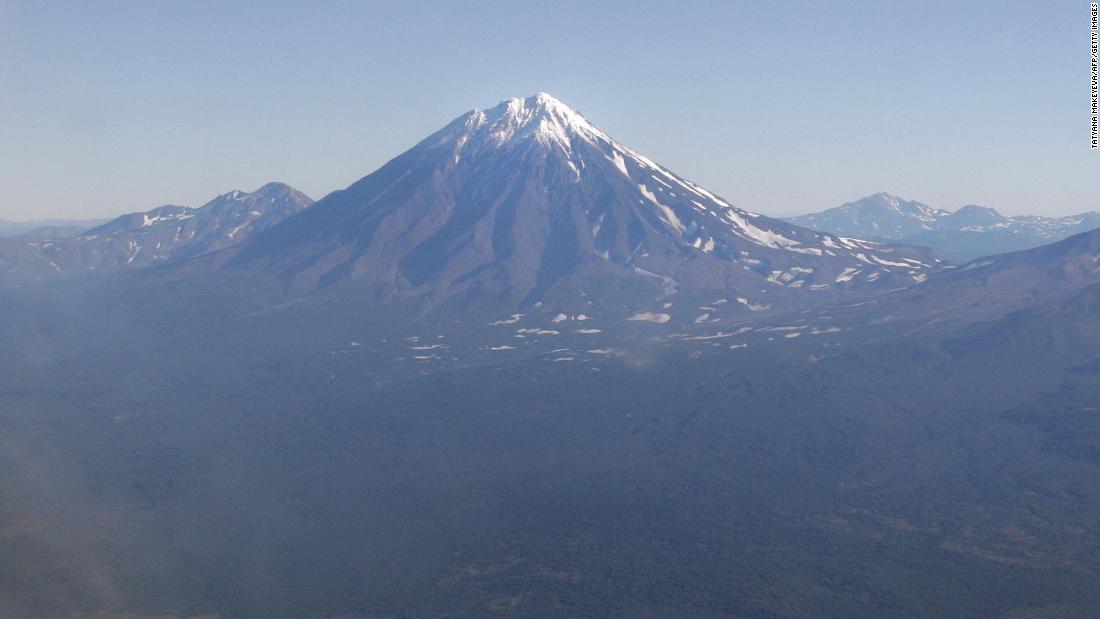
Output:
x,y
539,117
529,198
880,216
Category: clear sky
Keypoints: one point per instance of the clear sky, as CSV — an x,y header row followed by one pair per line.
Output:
x,y
781,107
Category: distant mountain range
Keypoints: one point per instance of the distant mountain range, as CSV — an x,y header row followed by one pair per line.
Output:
x,y
523,203
527,222
154,237
965,234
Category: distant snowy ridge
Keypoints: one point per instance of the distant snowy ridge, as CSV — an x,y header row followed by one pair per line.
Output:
x,y
153,237
965,234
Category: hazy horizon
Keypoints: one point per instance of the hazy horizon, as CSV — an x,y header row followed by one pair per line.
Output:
x,y
119,109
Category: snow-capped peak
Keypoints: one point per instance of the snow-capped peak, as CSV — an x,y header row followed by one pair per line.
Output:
x,y
540,116
543,119
580,152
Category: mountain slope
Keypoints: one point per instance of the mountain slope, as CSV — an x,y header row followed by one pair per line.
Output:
x,y
997,301
157,236
965,234
529,199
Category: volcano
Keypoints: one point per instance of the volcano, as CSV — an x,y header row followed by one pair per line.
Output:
x,y
528,201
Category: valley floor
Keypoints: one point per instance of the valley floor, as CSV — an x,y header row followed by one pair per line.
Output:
x,y
899,479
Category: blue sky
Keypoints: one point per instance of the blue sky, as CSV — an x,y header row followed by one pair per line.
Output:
x,y
782,108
